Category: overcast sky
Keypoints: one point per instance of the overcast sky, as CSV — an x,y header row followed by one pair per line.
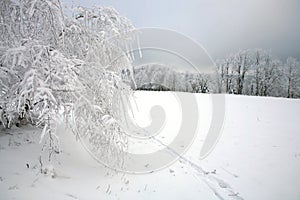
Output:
x,y
221,26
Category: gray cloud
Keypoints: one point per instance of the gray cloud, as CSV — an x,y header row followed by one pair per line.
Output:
x,y
221,26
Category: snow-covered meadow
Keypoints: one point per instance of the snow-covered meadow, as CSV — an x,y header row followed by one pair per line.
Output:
x,y
67,76
257,157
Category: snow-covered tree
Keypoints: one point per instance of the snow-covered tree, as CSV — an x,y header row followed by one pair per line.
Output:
x,y
51,63
250,72
224,75
292,74
240,63
265,74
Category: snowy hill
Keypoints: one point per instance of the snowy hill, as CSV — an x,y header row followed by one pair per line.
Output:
x,y
257,157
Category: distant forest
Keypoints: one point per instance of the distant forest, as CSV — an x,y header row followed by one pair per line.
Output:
x,y
249,72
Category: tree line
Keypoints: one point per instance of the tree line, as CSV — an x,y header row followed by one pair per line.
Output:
x,y
252,72
258,73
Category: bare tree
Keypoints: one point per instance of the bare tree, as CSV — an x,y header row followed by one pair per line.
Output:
x,y
250,72
241,64
292,73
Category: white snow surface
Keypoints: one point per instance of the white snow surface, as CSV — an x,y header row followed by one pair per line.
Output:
x,y
257,157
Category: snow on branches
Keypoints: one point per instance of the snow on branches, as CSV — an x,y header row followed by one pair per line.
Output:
x,y
52,64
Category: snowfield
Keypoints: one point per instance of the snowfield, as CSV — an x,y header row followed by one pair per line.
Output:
x,y
257,157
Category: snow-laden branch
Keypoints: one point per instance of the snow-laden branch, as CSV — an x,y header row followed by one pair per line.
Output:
x,y
53,65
